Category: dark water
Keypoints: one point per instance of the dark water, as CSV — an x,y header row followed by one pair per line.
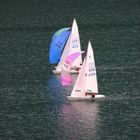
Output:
x,y
33,104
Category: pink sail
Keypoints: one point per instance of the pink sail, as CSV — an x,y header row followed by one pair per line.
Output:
x,y
65,73
66,80
72,57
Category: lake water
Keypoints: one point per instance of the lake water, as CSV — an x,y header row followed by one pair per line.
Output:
x,y
33,104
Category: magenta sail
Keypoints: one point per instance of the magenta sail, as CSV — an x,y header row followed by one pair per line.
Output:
x,y
70,59
66,80
65,73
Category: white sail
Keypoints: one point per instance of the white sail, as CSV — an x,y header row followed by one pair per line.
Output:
x,y
72,45
75,44
87,80
90,72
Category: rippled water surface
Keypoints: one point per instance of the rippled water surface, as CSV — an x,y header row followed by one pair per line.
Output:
x,y
33,103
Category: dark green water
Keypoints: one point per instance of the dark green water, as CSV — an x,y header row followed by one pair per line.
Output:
x,y
33,104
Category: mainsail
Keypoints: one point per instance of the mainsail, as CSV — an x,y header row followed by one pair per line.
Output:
x,y
87,79
90,72
58,42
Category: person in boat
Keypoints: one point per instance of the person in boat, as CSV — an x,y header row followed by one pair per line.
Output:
x,y
92,94
76,68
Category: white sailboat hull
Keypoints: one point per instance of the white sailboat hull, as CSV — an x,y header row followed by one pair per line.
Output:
x,y
59,71
71,98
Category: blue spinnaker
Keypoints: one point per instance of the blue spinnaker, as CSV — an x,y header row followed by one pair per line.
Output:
x,y
57,44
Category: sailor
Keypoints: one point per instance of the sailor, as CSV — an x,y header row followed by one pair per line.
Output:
x,y
93,95
77,68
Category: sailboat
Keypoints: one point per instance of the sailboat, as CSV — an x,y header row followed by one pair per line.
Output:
x,y
72,45
86,86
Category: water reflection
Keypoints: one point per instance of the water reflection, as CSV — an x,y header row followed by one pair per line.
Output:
x,y
75,120
79,120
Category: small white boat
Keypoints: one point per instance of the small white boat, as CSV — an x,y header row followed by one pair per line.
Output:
x,y
72,71
86,86
88,97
